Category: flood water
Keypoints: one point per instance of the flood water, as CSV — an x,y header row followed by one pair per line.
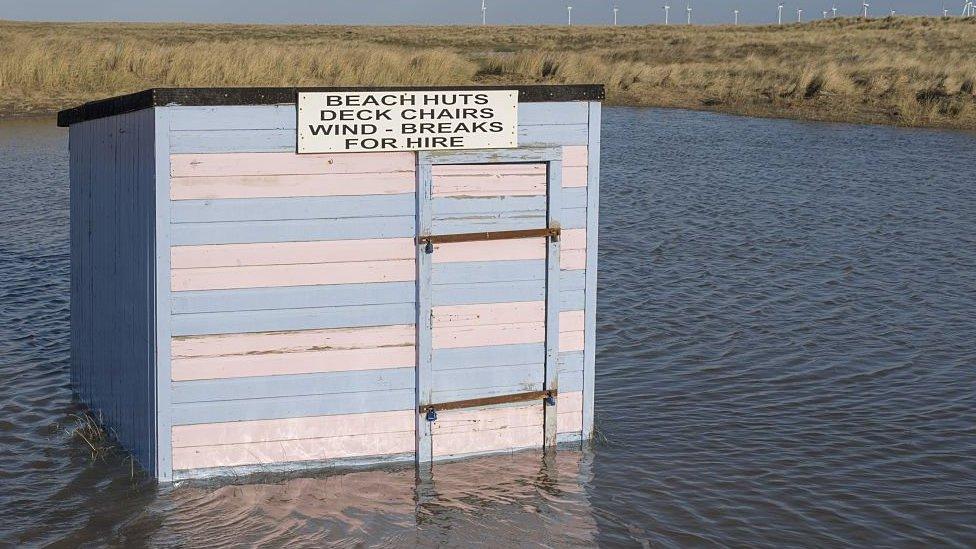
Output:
x,y
786,356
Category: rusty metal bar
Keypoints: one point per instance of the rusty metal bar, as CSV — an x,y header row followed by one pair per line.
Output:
x,y
487,401
488,235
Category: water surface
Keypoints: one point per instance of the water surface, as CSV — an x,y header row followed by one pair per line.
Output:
x,y
785,356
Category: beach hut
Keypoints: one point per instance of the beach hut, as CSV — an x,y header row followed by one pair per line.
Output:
x,y
280,278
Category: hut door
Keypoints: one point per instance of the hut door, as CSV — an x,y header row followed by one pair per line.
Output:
x,y
488,308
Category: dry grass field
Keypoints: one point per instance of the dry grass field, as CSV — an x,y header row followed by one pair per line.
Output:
x,y
905,71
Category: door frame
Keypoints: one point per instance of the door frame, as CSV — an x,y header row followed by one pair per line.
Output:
x,y
552,157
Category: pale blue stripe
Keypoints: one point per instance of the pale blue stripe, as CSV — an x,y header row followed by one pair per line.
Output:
x,y
489,271
517,379
292,297
293,319
326,383
573,197
306,207
572,280
570,361
573,218
286,407
488,356
488,292
573,300
488,205
185,234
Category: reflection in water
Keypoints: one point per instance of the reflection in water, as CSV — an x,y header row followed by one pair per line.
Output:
x,y
503,500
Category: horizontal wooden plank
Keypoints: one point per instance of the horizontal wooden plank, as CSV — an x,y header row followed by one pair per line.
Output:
x,y
292,363
310,274
282,117
229,345
260,141
290,253
571,328
571,198
513,379
289,297
508,221
488,271
465,432
491,250
441,208
306,207
284,186
292,319
378,381
572,280
569,417
571,300
488,292
574,177
500,334
485,314
575,156
570,361
288,407
572,259
300,230
276,452
487,356
571,381
283,163
572,218
488,180
242,432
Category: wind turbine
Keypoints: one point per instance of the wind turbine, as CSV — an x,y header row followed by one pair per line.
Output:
x,y
667,9
569,16
736,20
688,9
892,13
799,15
833,10
484,9
865,5
779,13
825,14
969,9
615,15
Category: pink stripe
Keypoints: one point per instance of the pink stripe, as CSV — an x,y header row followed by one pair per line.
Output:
x,y
571,321
458,432
203,188
268,276
296,341
492,250
206,165
571,326
574,176
573,239
569,415
575,156
570,260
285,253
269,430
479,336
489,180
482,314
289,363
281,451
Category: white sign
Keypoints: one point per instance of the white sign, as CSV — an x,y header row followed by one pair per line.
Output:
x,y
407,120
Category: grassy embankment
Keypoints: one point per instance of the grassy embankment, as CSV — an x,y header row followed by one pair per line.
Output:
x,y
905,71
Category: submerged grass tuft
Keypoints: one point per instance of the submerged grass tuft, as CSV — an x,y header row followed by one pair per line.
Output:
x,y
87,428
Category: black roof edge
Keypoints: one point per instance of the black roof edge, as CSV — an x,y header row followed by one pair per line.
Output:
x,y
160,97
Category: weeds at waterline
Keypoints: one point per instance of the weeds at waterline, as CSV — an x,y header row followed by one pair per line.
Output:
x,y
904,71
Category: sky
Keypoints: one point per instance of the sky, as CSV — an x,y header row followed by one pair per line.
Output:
x,y
445,12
